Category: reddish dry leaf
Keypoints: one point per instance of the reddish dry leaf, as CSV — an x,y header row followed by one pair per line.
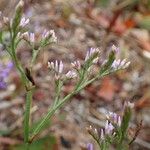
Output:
x,y
8,141
108,89
119,27
145,44
39,95
143,102
62,23
130,23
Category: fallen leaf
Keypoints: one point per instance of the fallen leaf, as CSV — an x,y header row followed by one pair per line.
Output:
x,y
143,102
108,89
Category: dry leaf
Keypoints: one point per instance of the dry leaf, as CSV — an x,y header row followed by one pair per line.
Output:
x,y
108,89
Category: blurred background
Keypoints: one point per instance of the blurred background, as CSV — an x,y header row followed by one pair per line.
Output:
x,y
79,25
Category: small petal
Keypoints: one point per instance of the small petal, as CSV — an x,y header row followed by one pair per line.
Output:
x,y
60,67
102,134
32,37
119,121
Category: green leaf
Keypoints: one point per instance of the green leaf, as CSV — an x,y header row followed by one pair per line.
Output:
x,y
45,143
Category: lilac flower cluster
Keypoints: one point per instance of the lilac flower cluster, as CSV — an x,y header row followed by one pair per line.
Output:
x,y
120,64
113,127
46,37
4,72
91,57
112,122
58,67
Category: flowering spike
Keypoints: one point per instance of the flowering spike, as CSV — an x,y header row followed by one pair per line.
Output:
x,y
90,53
115,49
120,64
108,127
57,67
45,34
71,74
24,22
49,36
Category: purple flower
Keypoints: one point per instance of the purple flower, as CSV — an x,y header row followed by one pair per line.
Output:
x,y
57,67
108,128
120,64
90,146
76,64
4,72
49,34
71,74
24,22
90,53
115,49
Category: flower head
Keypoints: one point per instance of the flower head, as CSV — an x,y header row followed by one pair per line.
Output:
x,y
49,35
114,118
71,74
91,53
120,64
24,22
57,67
115,49
76,64
30,37
108,128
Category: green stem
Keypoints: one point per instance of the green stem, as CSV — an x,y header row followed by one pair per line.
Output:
x,y
27,116
58,86
78,88
25,83
59,105
48,115
17,63
27,146
34,56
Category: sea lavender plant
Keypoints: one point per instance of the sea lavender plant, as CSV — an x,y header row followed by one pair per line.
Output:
x,y
115,131
16,31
